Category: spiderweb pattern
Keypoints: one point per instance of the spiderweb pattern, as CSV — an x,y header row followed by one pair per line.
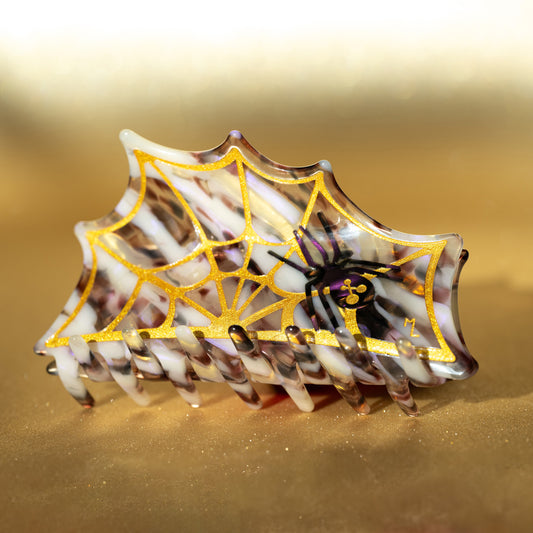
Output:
x,y
231,312
233,307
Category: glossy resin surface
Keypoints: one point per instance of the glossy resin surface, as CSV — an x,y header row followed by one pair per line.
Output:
x,y
225,266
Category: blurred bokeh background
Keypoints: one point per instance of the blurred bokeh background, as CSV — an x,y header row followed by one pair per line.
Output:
x,y
425,111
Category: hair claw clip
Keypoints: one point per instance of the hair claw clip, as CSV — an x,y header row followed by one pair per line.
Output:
x,y
225,266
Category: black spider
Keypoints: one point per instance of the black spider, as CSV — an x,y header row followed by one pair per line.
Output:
x,y
342,275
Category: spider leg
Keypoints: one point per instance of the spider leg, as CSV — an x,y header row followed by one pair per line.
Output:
x,y
304,249
331,236
373,264
316,244
329,311
382,275
289,262
354,267
362,270
311,305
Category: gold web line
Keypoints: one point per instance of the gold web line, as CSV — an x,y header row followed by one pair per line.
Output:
x,y
91,236
198,307
240,284
221,296
263,312
126,309
250,298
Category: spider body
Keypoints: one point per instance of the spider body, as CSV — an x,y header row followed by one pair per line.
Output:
x,y
348,289
347,280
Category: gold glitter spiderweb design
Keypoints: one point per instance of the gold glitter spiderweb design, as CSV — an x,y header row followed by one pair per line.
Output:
x,y
234,308
231,312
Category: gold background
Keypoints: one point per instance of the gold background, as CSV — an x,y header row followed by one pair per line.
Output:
x,y
426,114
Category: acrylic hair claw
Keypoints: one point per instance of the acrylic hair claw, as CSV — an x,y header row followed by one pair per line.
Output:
x,y
225,266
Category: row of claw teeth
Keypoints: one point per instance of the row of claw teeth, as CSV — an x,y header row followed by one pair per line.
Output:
x,y
291,365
